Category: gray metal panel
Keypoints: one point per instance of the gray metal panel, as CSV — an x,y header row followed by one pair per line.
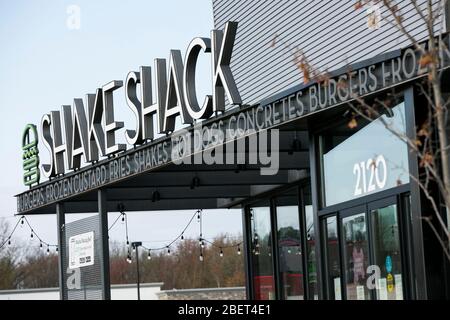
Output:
x,y
90,276
332,34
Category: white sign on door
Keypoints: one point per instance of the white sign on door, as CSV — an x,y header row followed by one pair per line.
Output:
x,y
81,250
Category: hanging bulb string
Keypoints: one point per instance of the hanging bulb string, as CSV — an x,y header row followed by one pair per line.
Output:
x,y
126,227
11,234
23,219
224,247
115,221
37,236
167,246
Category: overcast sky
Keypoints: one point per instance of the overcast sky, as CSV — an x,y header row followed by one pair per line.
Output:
x,y
46,61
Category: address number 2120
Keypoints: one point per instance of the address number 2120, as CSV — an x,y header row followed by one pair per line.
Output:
x,y
370,175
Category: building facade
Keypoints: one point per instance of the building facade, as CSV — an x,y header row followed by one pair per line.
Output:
x,y
343,215
316,239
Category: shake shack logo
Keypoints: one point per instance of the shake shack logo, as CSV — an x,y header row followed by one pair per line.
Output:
x,y
31,174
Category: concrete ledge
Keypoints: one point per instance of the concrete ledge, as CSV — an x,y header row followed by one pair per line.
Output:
x,y
227,293
116,286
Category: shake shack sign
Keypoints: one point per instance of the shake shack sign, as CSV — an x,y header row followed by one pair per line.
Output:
x,y
90,127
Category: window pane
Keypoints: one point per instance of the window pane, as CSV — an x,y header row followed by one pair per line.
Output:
x,y
353,166
333,268
263,280
289,244
386,244
356,256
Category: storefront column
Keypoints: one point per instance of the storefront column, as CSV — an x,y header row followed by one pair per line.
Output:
x,y
246,251
103,212
61,222
419,276
315,189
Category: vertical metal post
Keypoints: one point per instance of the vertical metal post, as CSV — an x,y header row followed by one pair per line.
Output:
x,y
61,221
315,197
138,280
419,277
279,294
303,246
103,213
246,251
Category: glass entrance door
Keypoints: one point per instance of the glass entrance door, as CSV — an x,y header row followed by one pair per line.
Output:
x,y
370,252
386,249
355,253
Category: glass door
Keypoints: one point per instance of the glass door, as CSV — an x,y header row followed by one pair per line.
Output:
x,y
363,252
355,253
386,248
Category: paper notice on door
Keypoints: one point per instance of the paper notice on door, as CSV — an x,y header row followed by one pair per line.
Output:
x,y
337,289
382,289
360,293
398,287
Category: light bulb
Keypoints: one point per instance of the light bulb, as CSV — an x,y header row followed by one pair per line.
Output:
x,y
221,253
203,244
149,257
134,249
56,249
123,217
168,251
9,242
48,250
239,250
200,257
40,246
182,237
31,234
129,259
128,243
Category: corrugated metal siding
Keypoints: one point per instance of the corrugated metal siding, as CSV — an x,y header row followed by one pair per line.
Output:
x,y
91,280
331,34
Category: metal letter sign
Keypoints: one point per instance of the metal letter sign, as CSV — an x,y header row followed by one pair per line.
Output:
x,y
90,128
30,149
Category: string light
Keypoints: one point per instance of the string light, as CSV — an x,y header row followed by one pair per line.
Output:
x,y
21,221
202,241
48,250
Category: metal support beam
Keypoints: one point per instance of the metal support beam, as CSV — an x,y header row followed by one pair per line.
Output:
x,y
61,222
419,278
103,212
246,247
